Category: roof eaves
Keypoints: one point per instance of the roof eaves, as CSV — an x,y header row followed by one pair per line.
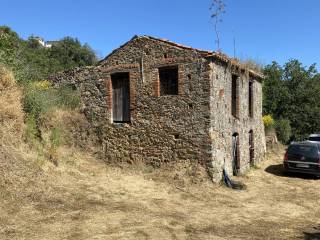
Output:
x,y
123,45
204,52
235,62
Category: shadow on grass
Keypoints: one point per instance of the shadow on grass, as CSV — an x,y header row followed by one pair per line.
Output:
x,y
278,170
314,234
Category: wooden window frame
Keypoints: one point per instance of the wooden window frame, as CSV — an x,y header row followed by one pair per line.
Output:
x,y
251,98
235,96
166,79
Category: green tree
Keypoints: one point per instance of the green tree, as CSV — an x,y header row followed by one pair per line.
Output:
x,y
292,92
32,62
69,53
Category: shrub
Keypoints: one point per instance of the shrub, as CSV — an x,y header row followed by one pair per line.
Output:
x,y
31,132
42,85
283,130
69,97
40,98
268,122
38,102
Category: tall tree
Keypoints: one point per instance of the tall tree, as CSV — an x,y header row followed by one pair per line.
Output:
x,y
293,92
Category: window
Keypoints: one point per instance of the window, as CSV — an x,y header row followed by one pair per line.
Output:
x,y
120,97
168,80
251,98
235,96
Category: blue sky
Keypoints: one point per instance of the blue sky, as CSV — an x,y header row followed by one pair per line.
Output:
x,y
265,30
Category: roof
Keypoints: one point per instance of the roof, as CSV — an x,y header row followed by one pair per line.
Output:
x,y
204,53
52,42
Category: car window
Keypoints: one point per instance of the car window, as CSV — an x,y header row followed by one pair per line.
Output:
x,y
303,150
316,139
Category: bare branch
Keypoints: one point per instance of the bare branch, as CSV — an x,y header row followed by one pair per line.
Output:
x,y
218,9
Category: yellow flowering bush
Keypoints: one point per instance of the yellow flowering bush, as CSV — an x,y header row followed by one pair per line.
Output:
x,y
43,85
268,121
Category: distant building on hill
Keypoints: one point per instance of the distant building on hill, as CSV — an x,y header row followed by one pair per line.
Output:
x,y
49,44
46,44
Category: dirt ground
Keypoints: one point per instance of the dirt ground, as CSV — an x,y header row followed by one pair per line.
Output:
x,y
85,199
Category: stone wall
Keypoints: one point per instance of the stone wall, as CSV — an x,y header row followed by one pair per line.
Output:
x,y
163,128
194,126
224,125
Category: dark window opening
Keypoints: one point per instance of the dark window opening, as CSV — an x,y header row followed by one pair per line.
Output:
x,y
251,99
251,147
235,154
120,97
168,80
176,136
235,96
315,139
165,55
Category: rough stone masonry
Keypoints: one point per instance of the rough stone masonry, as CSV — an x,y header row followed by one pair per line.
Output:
x,y
155,101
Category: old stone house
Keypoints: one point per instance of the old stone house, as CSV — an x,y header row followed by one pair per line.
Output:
x,y
156,101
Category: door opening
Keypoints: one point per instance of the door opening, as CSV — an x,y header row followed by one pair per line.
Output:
x,y
251,147
235,154
120,97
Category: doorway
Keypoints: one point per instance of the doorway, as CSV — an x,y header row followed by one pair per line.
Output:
x,y
120,97
251,147
235,154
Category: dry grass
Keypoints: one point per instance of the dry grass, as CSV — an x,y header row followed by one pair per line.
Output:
x,y
6,78
11,114
85,199
74,127
252,64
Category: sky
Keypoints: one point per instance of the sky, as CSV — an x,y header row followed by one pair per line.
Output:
x,y
263,30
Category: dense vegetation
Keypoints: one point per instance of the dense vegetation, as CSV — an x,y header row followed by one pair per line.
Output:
x,y
32,62
292,98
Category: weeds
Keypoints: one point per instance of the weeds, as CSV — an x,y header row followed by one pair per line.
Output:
x,y
54,143
39,99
